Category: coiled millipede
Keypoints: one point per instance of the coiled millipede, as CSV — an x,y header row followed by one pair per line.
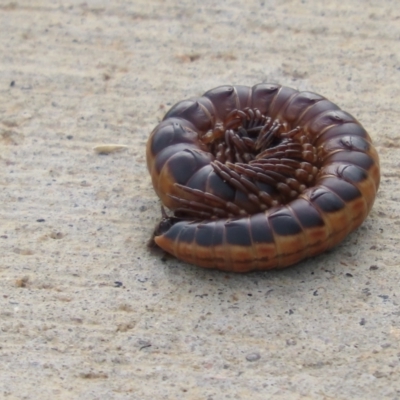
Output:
x,y
259,177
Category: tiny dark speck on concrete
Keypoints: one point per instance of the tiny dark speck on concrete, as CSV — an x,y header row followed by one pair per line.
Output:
x,y
143,344
40,220
383,296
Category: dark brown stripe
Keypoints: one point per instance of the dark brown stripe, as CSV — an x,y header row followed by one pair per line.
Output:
x,y
262,96
186,163
218,236
345,190
306,213
224,100
187,231
284,95
326,200
204,234
284,223
351,157
220,188
170,133
180,108
352,173
348,143
260,229
348,129
164,155
181,229
200,177
335,117
243,96
237,232
191,111
318,108
299,103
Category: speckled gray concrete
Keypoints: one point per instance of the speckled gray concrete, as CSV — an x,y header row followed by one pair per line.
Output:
x,y
86,311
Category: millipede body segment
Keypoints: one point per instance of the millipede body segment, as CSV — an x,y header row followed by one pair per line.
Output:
x,y
259,177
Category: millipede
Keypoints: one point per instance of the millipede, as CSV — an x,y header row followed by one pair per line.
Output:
x,y
259,177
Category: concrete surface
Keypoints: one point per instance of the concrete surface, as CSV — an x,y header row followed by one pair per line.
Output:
x,y
87,312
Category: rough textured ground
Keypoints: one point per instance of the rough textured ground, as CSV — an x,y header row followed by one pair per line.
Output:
x,y
85,310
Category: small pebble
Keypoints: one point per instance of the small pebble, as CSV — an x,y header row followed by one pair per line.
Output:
x,y
253,357
109,148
